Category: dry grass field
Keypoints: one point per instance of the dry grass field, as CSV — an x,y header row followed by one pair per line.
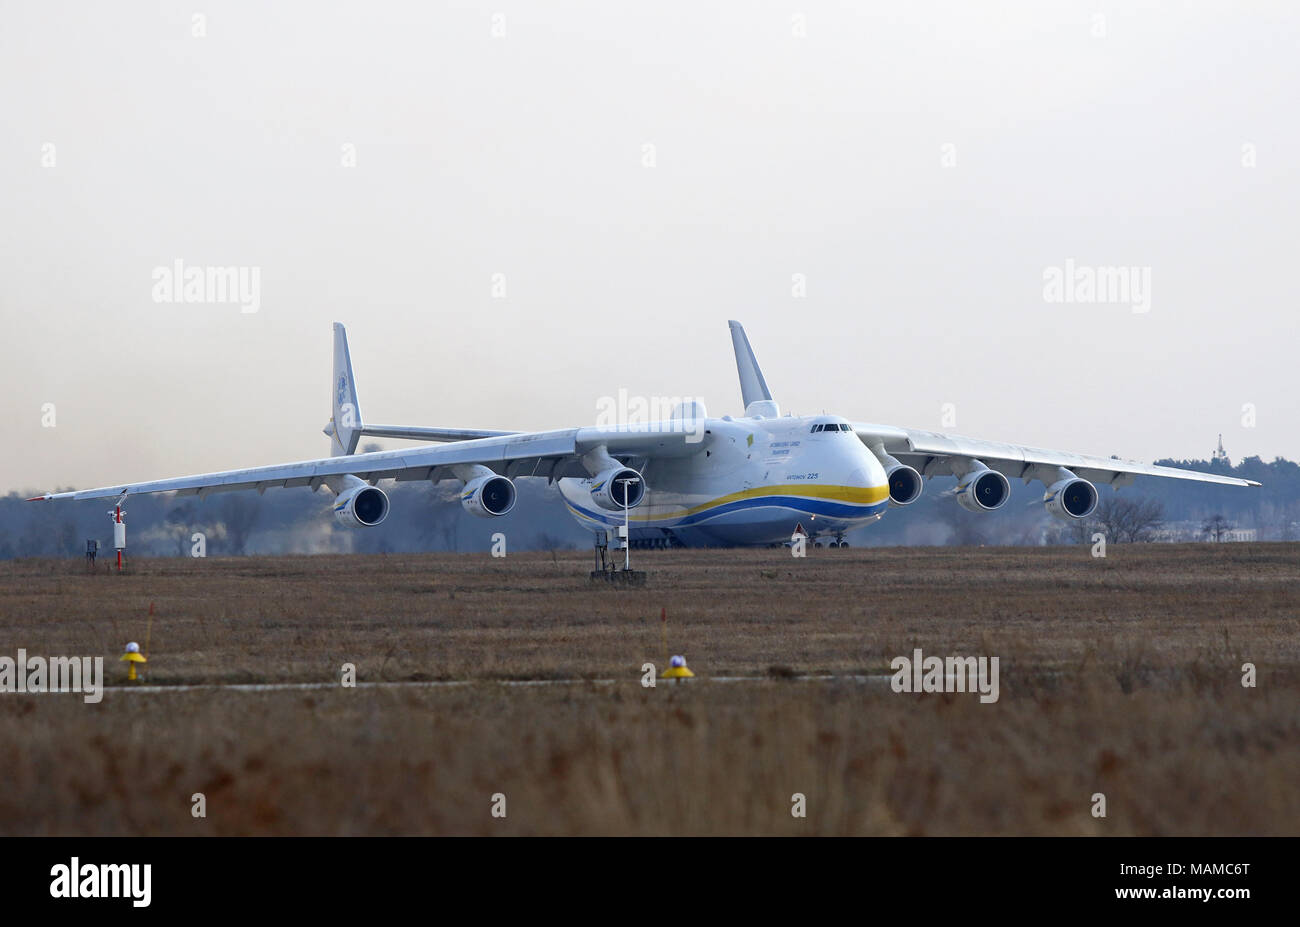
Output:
x,y
1120,676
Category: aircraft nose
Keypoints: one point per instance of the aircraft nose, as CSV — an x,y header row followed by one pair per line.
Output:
x,y
868,472
868,477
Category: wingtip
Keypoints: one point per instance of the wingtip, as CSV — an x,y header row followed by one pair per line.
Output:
x,y
39,499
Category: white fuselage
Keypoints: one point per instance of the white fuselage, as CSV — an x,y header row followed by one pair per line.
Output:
x,y
752,481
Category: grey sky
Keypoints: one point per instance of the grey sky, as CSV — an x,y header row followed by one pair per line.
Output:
x,y
523,155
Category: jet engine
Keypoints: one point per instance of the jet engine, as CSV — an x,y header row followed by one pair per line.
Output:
x,y
361,505
983,490
608,489
1071,498
905,484
488,496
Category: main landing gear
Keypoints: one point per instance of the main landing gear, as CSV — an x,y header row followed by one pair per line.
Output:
x,y
837,541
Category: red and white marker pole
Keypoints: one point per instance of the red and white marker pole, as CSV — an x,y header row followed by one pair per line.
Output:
x,y
119,534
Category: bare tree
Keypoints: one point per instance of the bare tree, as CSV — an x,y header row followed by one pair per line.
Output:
x,y
1216,526
1129,520
1109,517
1145,518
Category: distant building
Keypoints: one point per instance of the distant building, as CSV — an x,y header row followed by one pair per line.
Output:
x,y
1181,532
1177,532
1241,534
1221,454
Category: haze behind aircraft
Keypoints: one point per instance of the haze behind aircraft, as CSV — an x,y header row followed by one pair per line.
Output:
x,y
689,480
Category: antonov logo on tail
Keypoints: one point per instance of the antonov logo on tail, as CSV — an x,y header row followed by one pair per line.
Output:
x,y
707,484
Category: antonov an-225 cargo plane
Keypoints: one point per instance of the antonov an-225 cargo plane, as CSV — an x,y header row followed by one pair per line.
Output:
x,y
688,480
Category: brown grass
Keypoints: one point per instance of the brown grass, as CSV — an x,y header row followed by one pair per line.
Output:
x,y
1119,675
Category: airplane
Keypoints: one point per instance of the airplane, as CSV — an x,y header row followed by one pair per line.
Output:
x,y
688,480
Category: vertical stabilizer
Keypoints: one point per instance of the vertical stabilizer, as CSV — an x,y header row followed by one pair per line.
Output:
x,y
344,428
753,388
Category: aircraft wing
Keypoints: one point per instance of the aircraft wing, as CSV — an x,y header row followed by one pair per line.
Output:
x,y
932,454
550,454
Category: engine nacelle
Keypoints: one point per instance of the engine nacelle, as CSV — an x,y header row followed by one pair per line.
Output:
x,y
983,490
361,505
1071,498
488,496
608,489
905,484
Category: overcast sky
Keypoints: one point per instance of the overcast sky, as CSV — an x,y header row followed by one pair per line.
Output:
x,y
637,177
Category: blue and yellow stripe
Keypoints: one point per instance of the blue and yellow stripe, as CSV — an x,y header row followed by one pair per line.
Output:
x,y
847,502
